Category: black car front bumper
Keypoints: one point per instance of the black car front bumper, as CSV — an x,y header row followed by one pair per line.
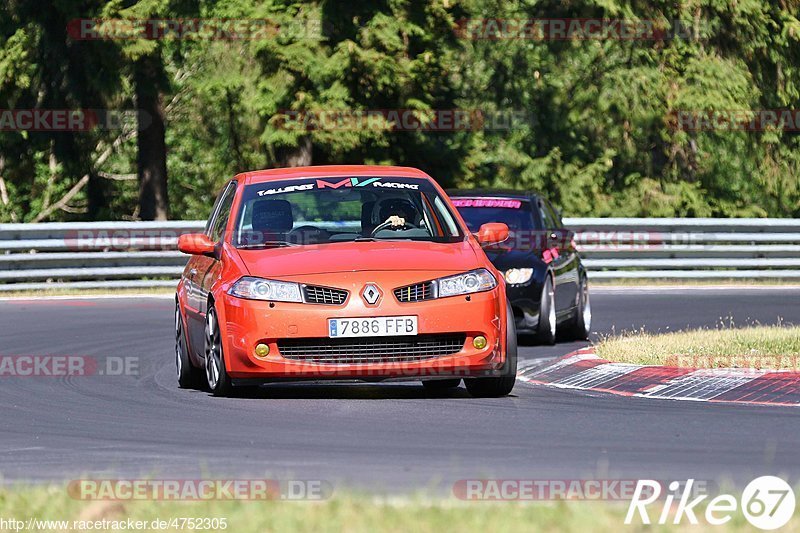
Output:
x,y
525,301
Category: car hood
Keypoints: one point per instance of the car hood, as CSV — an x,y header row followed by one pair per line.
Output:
x,y
360,256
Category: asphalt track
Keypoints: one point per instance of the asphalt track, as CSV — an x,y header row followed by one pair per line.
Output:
x,y
390,437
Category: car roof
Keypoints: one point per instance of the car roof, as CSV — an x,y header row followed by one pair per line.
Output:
x,y
493,193
332,171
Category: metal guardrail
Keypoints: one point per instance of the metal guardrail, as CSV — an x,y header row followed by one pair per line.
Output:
x,y
142,254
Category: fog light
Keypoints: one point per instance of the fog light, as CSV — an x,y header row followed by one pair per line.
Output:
x,y
262,350
479,342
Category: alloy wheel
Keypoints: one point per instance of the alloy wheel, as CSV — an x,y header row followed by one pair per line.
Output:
x,y
213,350
178,341
587,308
551,312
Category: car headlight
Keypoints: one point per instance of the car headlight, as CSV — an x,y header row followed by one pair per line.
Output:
x,y
515,276
266,289
475,281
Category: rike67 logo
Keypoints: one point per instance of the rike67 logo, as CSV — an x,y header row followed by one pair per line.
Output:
x,y
767,502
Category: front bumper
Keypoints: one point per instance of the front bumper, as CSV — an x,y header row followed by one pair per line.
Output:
x,y
525,301
247,323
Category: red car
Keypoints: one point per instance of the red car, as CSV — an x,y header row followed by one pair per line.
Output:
x,y
342,272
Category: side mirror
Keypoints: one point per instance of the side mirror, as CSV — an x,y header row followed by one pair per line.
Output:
x,y
492,233
196,244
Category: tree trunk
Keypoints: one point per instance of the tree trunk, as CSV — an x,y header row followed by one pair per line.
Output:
x,y
298,157
152,148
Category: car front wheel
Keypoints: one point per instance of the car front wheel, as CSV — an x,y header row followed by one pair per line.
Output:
x,y
217,376
502,385
546,329
580,324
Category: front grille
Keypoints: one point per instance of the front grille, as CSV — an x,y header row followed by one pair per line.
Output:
x,y
415,293
371,349
324,295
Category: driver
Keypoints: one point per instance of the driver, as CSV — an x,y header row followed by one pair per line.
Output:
x,y
397,212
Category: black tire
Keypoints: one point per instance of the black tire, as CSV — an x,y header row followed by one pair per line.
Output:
x,y
189,377
546,329
579,326
219,382
502,385
441,384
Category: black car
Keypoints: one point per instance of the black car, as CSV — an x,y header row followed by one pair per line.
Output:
x,y
546,282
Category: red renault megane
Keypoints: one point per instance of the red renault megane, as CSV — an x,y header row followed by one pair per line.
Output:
x,y
342,272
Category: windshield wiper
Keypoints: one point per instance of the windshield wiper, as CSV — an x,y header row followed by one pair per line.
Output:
x,y
267,244
373,239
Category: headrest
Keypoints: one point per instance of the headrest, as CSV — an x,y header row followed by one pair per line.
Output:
x,y
272,216
367,225
386,207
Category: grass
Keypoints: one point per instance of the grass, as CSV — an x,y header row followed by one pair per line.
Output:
x,y
352,513
760,347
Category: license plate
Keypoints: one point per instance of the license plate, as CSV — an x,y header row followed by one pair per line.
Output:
x,y
379,326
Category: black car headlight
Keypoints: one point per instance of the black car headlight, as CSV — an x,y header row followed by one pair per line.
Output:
x,y
517,276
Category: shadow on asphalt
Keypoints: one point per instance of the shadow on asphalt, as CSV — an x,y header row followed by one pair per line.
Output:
x,y
410,390
546,352
345,391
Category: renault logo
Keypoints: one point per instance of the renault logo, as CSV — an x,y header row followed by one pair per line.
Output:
x,y
371,294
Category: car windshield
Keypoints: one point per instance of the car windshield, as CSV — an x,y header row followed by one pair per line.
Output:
x,y
342,209
514,213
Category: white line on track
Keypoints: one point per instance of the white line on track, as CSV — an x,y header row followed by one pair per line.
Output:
x,y
533,364
28,449
88,297
655,289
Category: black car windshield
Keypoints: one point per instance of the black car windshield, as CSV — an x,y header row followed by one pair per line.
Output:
x,y
513,212
342,209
